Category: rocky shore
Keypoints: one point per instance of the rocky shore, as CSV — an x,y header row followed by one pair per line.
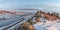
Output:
x,y
11,12
50,22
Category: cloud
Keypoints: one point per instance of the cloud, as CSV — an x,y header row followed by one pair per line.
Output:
x,y
12,4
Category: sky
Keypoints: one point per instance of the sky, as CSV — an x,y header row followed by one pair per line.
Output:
x,y
16,4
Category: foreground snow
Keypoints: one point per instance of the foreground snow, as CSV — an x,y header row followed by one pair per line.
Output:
x,y
48,25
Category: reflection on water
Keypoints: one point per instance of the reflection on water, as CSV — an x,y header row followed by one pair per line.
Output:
x,y
6,19
6,16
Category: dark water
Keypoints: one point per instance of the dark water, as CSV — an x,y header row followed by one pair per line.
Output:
x,y
9,18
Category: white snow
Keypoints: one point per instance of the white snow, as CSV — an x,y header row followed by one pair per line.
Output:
x,y
48,25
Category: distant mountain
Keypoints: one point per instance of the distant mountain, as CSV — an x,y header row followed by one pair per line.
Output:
x,y
26,9
11,12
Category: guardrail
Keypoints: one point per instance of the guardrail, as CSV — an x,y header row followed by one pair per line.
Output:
x,y
15,26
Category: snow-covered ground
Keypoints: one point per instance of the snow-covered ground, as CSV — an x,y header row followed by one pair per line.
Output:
x,y
47,25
